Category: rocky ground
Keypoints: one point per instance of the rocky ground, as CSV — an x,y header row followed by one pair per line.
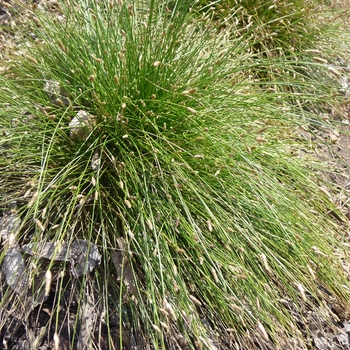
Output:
x,y
24,319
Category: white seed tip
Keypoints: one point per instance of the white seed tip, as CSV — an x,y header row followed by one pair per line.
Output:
x,y
215,276
169,309
210,225
195,300
56,341
319,60
192,110
334,71
156,328
263,331
48,279
149,224
302,292
260,139
39,224
265,263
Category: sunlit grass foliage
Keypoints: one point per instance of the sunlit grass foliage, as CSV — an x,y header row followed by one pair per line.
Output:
x,y
180,160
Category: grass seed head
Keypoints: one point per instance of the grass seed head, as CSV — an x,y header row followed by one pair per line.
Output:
x,y
96,59
262,331
260,139
265,264
192,110
320,60
33,199
210,225
164,312
318,251
195,300
61,45
302,292
131,234
32,59
311,271
169,309
164,325
149,224
39,224
56,341
214,274
334,71
48,279
156,328
27,193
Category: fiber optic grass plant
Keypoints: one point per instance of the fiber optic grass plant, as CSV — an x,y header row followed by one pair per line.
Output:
x,y
181,165
287,25
295,30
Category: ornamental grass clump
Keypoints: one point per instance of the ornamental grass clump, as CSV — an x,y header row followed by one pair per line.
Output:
x,y
299,31
127,126
287,25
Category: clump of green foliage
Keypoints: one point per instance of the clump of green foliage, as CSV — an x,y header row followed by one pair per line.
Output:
x,y
287,25
294,30
183,165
